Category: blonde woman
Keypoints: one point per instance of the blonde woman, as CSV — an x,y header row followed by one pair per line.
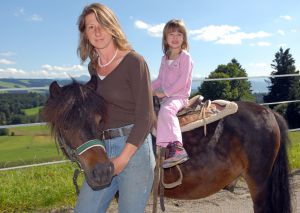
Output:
x,y
124,82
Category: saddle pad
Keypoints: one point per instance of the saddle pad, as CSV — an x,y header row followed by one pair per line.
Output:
x,y
218,109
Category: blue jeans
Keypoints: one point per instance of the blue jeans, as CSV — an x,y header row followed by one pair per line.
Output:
x,y
134,183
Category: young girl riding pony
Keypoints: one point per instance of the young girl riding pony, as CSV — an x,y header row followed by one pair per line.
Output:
x,y
173,87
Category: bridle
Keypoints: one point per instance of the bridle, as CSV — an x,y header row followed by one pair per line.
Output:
x,y
74,153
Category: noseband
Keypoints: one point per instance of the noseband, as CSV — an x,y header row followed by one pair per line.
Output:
x,y
73,154
90,144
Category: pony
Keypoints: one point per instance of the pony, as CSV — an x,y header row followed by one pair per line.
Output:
x,y
252,144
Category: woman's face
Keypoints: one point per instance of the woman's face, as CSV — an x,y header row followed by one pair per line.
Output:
x,y
98,36
174,39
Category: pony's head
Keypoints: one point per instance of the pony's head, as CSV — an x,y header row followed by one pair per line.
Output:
x,y
74,112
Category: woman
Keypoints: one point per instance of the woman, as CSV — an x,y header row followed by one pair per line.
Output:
x,y
124,82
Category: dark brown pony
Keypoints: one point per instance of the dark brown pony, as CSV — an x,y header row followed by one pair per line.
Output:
x,y
250,143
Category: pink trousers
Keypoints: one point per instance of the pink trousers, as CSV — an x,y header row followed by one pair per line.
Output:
x,y
168,128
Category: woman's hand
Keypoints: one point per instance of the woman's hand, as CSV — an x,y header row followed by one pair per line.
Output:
x,y
122,160
119,163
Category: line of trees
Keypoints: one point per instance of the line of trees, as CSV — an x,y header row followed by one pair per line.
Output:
x,y
12,107
279,89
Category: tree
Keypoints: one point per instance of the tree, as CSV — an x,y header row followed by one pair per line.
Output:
x,y
229,90
285,88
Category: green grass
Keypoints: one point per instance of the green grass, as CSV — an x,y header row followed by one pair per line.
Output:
x,y
294,150
29,145
38,189
31,111
44,188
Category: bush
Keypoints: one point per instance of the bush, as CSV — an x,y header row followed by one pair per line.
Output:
x,y
4,132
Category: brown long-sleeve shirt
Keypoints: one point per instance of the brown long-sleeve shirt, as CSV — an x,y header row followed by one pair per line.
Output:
x,y
127,91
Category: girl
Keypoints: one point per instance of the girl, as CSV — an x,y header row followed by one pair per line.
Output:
x,y
173,86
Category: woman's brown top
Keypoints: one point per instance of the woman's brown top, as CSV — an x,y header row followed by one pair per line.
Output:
x,y
127,91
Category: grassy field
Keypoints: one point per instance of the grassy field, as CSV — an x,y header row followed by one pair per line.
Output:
x,y
294,150
37,189
44,188
28,145
32,111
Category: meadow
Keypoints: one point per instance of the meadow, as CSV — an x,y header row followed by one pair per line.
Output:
x,y
44,188
28,145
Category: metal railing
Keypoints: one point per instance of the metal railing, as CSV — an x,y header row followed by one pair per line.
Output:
x,y
206,79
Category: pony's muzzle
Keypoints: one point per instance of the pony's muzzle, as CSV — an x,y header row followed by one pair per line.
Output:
x,y
100,176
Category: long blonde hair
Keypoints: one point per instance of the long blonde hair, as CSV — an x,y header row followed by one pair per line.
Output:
x,y
172,26
109,22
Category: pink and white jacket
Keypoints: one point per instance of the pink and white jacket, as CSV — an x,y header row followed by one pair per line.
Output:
x,y
175,79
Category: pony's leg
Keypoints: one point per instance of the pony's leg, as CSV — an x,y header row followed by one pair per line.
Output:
x,y
259,194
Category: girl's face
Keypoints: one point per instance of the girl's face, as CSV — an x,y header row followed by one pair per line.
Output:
x,y
175,40
98,36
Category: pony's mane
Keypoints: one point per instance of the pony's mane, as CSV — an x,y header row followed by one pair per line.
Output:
x,y
74,108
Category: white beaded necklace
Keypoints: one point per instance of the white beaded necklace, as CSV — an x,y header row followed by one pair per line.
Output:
x,y
108,63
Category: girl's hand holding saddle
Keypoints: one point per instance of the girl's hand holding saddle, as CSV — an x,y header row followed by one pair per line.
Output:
x,y
159,94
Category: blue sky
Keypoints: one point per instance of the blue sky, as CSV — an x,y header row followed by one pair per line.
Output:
x,y
39,38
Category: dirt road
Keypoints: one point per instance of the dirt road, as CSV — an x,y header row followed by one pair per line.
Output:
x,y
223,201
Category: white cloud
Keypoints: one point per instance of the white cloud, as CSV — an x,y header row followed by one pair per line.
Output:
x,y
152,30
47,71
11,72
225,34
63,68
6,62
281,32
141,25
294,30
263,43
35,17
286,17
213,32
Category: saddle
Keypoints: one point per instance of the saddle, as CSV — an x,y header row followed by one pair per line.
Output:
x,y
198,113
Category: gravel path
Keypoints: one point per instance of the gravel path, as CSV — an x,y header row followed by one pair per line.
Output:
x,y
221,202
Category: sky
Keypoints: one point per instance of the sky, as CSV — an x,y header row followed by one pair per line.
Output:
x,y
39,38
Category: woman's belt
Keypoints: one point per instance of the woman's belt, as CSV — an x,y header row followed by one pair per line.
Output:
x,y
114,133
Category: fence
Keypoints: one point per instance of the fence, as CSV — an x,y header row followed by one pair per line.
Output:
x,y
215,79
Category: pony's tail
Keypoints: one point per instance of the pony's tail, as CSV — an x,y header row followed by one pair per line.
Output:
x,y
279,184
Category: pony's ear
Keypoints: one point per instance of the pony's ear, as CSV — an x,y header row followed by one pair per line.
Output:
x,y
92,83
54,89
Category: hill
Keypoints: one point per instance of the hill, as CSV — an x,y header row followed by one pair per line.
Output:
x,y
258,85
25,83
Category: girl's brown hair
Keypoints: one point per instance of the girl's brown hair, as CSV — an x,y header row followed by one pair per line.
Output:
x,y
109,22
172,26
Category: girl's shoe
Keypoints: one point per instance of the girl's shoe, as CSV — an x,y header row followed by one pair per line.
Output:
x,y
175,154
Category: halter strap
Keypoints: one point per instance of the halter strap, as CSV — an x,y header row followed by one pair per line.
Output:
x,y
90,144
